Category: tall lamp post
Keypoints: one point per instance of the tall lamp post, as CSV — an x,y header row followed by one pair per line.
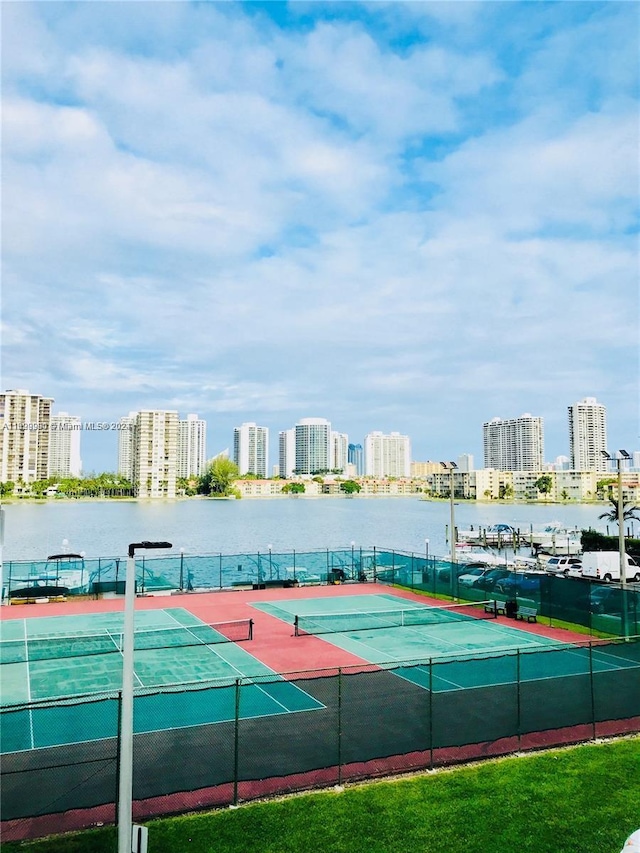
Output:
x,y
125,781
622,455
451,467
181,569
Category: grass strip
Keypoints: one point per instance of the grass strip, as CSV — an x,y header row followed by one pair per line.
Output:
x,y
579,800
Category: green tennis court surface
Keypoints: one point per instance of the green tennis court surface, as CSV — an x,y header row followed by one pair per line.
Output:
x,y
467,649
51,659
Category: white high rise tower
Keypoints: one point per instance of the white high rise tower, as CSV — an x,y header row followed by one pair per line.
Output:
x,y
387,455
64,445
155,444
516,444
24,436
587,435
251,449
313,445
192,446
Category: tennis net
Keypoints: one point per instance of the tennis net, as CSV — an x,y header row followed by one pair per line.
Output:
x,y
58,646
332,623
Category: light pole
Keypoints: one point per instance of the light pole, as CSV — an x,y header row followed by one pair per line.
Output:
x,y
353,561
426,549
621,547
125,781
270,563
451,467
181,569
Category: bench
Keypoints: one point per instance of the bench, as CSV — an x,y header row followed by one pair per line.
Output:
x,y
493,606
528,613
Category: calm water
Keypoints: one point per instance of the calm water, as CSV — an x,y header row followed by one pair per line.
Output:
x,y
32,531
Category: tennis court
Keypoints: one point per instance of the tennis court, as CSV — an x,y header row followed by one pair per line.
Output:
x,y
467,645
51,660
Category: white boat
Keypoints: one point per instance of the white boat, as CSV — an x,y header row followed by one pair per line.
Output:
x,y
555,535
63,574
469,553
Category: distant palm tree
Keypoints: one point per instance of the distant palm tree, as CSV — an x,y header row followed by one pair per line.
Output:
x,y
629,511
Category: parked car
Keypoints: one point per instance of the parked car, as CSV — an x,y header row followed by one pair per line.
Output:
x,y
470,577
488,580
444,575
605,566
564,566
519,582
608,599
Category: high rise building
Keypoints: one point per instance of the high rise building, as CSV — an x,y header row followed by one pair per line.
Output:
x,y
339,451
251,449
387,455
286,452
192,446
313,445
155,446
465,463
126,435
516,444
25,421
587,435
64,445
356,458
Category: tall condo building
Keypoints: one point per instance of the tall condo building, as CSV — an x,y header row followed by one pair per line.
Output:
x,y
339,451
516,444
356,458
25,421
64,445
587,435
313,445
387,455
192,446
251,449
126,429
465,463
286,452
155,454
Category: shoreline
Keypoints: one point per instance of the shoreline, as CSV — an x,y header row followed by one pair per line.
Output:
x,y
182,498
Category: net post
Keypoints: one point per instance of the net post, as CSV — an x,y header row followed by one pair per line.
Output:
x,y
251,629
296,630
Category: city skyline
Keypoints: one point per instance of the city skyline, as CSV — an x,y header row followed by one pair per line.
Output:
x,y
514,444
400,217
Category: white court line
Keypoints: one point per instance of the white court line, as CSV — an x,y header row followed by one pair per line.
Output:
x,y
241,674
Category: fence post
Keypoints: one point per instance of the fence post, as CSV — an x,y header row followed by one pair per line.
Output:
x,y
236,752
220,566
339,725
118,750
518,700
375,566
430,713
592,690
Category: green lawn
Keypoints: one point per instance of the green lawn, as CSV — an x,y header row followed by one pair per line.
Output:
x,y
580,800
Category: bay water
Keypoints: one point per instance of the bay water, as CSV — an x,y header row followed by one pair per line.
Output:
x,y
97,528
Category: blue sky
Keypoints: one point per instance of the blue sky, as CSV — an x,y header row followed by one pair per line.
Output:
x,y
405,217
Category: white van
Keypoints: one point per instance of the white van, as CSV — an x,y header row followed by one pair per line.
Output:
x,y
605,566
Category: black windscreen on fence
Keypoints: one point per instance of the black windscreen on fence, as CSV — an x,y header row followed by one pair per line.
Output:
x,y
353,723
